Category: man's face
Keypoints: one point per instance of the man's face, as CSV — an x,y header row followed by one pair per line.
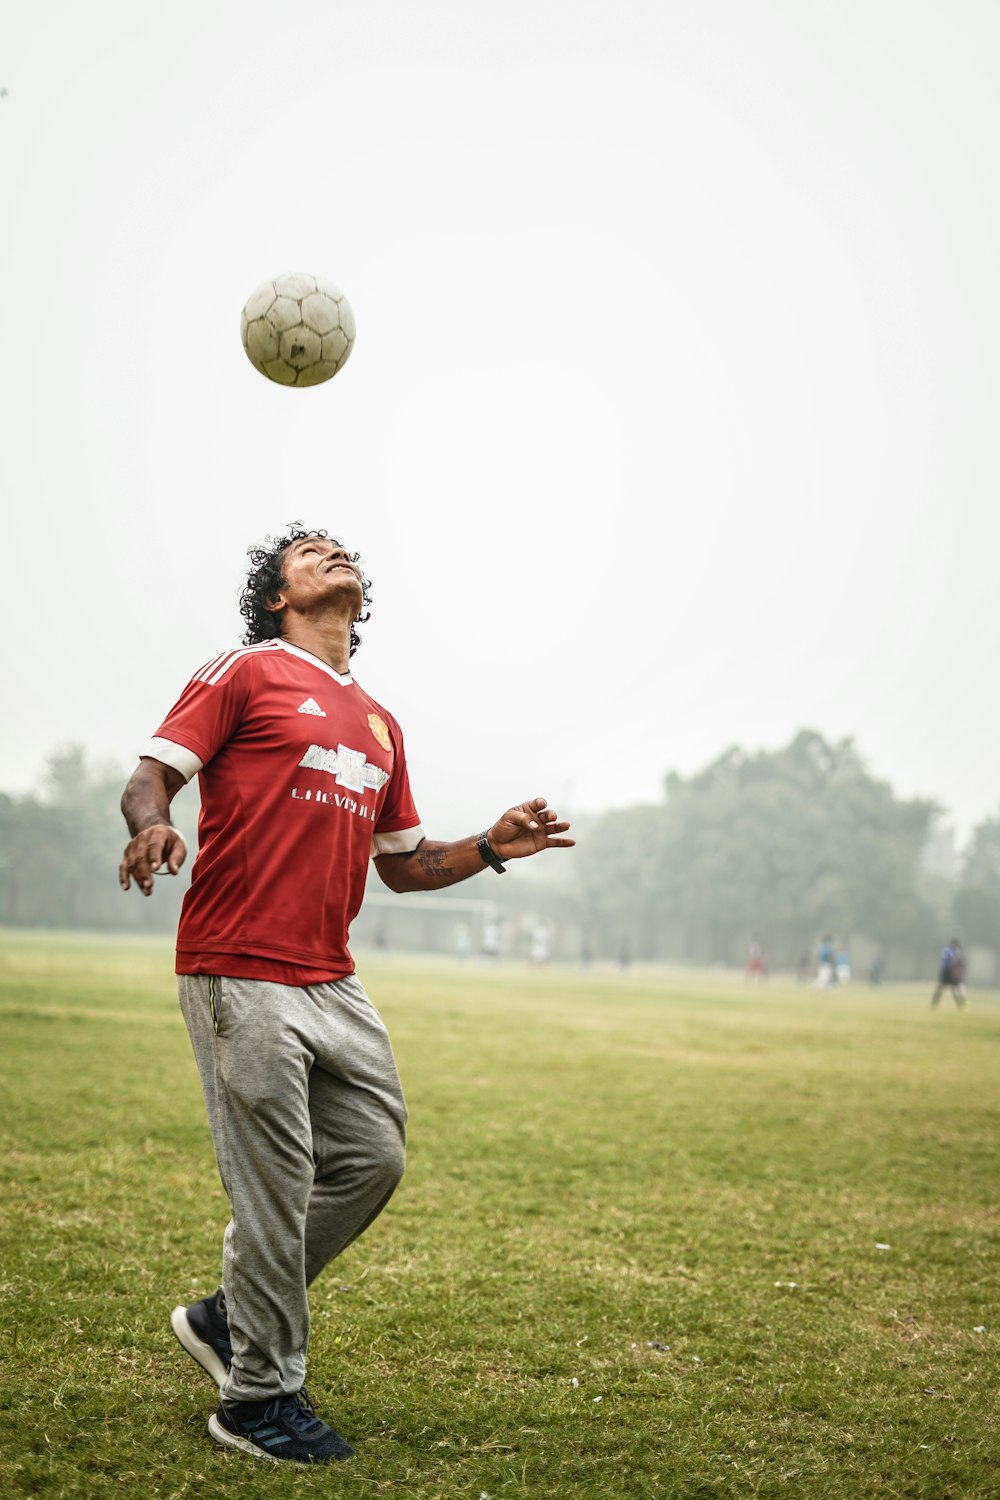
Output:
x,y
317,569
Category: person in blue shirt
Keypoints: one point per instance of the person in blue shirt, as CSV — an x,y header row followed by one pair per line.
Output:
x,y
951,974
826,973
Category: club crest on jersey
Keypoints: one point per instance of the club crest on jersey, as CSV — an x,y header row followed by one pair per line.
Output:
x,y
349,767
380,730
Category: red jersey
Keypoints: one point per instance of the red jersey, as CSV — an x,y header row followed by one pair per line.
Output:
x,y
303,778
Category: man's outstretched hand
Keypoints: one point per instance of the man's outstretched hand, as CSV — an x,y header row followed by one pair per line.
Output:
x,y
145,853
528,829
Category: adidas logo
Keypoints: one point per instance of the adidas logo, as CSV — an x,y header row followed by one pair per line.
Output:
x,y
310,706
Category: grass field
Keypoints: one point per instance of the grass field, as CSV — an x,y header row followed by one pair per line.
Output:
x,y
659,1236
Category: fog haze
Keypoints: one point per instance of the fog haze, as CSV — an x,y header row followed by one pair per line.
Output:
x,y
670,419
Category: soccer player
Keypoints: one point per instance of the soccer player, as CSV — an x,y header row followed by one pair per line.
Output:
x,y
756,965
303,779
951,974
826,972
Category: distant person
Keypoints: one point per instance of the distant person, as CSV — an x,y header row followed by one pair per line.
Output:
x,y
756,966
489,941
802,967
951,974
303,781
842,968
538,952
875,970
463,940
624,954
825,964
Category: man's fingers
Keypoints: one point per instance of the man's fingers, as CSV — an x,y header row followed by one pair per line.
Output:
x,y
535,814
537,810
548,819
141,876
148,852
154,851
174,852
135,862
529,828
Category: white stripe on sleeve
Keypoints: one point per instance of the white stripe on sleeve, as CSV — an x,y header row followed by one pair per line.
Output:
x,y
397,843
179,757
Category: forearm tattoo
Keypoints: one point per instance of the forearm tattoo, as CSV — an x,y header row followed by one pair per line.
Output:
x,y
432,863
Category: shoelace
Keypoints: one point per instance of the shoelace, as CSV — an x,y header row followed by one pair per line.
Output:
x,y
297,1410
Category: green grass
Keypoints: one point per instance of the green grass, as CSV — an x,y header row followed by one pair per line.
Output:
x,y
635,1253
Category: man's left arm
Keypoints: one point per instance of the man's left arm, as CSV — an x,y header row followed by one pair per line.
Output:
x,y
521,832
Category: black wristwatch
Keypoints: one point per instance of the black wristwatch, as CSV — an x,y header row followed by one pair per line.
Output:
x,y
489,854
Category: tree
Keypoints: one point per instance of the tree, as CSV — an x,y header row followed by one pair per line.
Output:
x,y
60,852
785,844
977,900
620,888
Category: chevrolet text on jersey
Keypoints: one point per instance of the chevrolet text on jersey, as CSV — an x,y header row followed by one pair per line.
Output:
x,y
273,894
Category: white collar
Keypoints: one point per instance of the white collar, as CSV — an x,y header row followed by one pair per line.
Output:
x,y
344,679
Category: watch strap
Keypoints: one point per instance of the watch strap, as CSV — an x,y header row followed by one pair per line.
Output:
x,y
489,855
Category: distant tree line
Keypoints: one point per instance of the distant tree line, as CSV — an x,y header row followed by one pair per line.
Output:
x,y
783,847
780,847
60,847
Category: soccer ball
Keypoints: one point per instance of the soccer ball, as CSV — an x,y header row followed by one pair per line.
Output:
x,y
297,329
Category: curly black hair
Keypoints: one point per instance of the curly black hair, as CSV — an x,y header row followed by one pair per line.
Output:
x,y
266,577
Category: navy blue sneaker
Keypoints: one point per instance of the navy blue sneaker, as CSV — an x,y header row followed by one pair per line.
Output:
x,y
203,1331
284,1428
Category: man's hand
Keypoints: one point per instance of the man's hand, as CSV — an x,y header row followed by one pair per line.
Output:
x,y
523,830
146,805
528,829
145,853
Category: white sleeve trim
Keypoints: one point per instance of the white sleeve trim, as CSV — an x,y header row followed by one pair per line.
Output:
x,y
178,756
403,842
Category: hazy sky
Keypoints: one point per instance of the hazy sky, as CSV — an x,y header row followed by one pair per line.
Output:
x,y
671,418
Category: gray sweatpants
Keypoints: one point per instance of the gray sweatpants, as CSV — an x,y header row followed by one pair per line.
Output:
x,y
308,1120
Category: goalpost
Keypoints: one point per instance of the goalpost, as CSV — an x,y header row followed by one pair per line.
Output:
x,y
444,924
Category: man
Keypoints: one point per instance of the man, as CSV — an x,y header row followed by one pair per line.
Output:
x,y
756,965
826,973
951,974
303,779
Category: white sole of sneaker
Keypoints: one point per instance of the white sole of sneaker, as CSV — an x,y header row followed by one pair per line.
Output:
x,y
233,1440
202,1352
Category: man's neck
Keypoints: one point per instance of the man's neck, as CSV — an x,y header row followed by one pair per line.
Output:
x,y
329,640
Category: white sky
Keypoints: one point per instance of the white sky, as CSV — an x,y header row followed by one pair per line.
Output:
x,y
670,422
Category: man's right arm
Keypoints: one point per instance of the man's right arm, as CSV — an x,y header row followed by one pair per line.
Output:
x,y
146,807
